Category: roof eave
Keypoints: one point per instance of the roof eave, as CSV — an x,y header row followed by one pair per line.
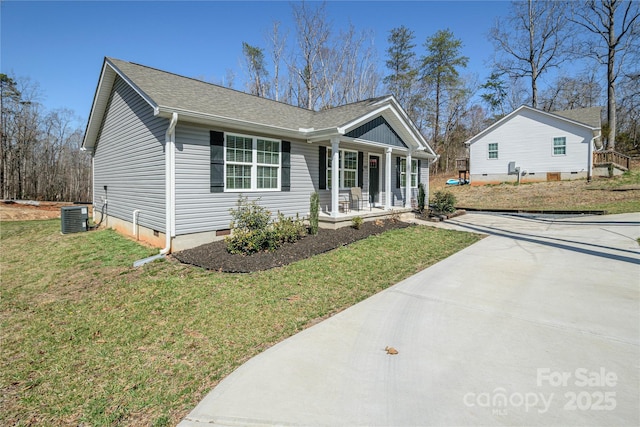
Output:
x,y
101,99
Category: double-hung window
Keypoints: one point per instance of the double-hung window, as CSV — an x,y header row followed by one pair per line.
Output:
x,y
492,150
348,167
560,146
403,173
251,163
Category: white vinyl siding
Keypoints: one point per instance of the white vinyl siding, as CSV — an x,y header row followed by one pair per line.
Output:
x,y
527,138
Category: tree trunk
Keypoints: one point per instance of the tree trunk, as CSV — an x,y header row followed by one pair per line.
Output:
x,y
611,77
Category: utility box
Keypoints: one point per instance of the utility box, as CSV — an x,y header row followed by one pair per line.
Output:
x,y
74,219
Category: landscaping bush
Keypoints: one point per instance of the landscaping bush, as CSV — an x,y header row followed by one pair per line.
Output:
x,y
288,230
314,210
253,230
356,222
444,202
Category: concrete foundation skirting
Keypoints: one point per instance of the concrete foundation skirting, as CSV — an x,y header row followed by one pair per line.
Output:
x,y
143,234
499,178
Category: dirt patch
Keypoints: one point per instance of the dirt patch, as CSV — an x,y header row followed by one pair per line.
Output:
x,y
214,256
561,195
28,210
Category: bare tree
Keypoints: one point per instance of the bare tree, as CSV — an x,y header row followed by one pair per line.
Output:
x,y
313,31
615,24
41,156
568,93
277,42
531,41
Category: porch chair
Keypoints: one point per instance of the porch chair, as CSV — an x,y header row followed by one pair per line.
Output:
x,y
356,197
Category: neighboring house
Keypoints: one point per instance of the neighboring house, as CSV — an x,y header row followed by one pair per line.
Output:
x,y
171,155
540,146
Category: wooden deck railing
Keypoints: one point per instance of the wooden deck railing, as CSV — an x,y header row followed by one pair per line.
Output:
x,y
462,165
607,157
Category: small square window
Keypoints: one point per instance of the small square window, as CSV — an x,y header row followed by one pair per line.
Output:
x,y
560,146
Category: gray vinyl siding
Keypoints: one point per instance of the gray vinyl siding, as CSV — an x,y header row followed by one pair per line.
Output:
x,y
129,159
398,193
200,210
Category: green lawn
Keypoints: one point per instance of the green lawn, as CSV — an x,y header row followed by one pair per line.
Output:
x,y
87,339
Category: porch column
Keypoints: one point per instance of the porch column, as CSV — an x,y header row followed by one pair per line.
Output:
x,y
387,179
335,176
407,181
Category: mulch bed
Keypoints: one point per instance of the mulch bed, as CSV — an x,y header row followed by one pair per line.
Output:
x,y
214,256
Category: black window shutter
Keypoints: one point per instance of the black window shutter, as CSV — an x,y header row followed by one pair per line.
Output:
x,y
322,172
418,171
397,172
216,141
285,183
360,169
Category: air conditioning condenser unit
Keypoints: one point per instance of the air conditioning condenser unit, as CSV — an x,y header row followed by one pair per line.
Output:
x,y
74,219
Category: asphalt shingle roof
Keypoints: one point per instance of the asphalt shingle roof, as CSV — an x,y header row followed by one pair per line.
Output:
x,y
588,116
179,92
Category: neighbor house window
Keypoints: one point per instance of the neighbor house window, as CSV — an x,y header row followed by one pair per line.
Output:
x,y
348,166
251,163
559,146
493,150
403,173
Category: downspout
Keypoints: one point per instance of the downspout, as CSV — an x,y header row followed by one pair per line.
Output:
x,y
590,159
170,139
169,169
135,223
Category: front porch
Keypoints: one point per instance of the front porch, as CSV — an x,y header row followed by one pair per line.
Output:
x,y
343,219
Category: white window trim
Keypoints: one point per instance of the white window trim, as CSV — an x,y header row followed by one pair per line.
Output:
x,y
489,150
254,164
553,146
414,172
341,168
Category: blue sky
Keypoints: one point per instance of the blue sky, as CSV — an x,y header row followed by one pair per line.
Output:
x,y
61,45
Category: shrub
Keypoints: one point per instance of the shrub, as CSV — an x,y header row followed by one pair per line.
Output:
x,y
444,202
253,230
249,215
356,222
287,230
421,197
394,216
314,210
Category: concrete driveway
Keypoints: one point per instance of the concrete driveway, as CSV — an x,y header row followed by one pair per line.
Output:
x,y
537,324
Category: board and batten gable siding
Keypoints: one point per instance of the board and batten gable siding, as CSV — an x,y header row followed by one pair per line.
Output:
x,y
378,130
199,210
129,159
527,139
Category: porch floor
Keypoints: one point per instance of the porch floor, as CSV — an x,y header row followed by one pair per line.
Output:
x,y
325,220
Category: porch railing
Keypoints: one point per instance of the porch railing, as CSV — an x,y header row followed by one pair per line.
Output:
x,y
611,157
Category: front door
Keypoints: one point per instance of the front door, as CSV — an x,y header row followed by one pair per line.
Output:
x,y
374,180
